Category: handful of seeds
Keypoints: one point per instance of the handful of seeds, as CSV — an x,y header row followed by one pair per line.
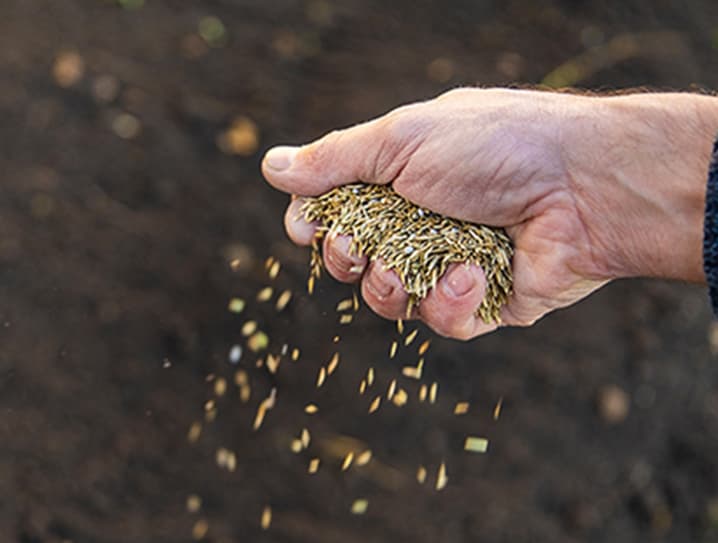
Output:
x,y
416,243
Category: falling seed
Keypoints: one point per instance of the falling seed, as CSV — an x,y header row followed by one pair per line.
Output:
x,y
412,372
68,69
311,409
265,294
461,408
241,378
441,477
364,458
295,354
245,392
209,416
359,507
375,404
272,363
249,328
355,302
344,305
194,503
305,438
258,341
370,377
264,406
313,465
310,285
209,405
221,457
234,264
269,262
220,386
476,444
335,339
346,319
424,347
422,393
497,408
236,305
391,390
392,349
400,398
235,354
283,300
333,363
400,326
433,391
210,377
296,446
348,459
231,463
410,337
321,377
194,432
200,529
274,269
421,475
362,386
266,520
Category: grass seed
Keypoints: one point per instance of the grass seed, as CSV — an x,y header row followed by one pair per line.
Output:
x,y
424,347
200,529
375,404
441,477
392,349
497,408
410,337
313,465
283,300
476,444
236,305
266,520
359,507
333,363
265,294
321,377
348,459
364,458
194,503
248,328
344,305
311,409
461,408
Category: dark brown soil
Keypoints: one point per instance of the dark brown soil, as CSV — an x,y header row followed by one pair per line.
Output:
x,y
113,258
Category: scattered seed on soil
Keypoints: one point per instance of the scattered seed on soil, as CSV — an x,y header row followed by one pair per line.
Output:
x,y
476,444
258,341
295,354
461,408
333,363
392,349
344,305
283,300
200,529
194,432
410,337
422,392
220,386
248,328
416,243
392,389
400,398
236,305
265,294
348,459
274,269
194,503
313,465
421,475
266,520
311,409
321,377
346,319
305,438
359,507
235,354
497,408
424,347
441,477
363,458
375,404
433,391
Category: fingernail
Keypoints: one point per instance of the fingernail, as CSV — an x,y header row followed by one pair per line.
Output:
x,y
459,281
281,158
379,288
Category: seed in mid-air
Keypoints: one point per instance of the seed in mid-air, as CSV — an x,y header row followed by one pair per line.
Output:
x,y
441,477
359,507
375,404
265,294
461,408
266,519
476,444
348,459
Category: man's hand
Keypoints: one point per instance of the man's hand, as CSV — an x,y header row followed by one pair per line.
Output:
x,y
589,189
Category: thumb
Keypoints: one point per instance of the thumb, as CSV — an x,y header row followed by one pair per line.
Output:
x,y
373,152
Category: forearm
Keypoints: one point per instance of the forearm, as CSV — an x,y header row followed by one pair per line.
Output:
x,y
650,158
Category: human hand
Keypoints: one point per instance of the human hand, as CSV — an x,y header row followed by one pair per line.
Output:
x,y
589,189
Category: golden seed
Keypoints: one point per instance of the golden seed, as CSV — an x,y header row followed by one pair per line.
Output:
x,y
348,459
364,458
422,393
200,529
441,477
392,349
370,377
235,264
355,302
311,409
269,262
265,294
476,444
391,390
344,305
194,432
249,328
236,305
231,463
362,386
359,507
375,404
433,391
313,465
274,269
400,326
209,416
266,520
220,386
461,408
194,503
305,438
321,377
497,408
424,347
411,372
333,363
336,339
400,398
245,392
421,475
209,405
410,337
310,285
283,300
258,341
259,417
272,363
295,354
296,446
346,319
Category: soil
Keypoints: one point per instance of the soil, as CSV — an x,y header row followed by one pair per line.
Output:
x,y
119,214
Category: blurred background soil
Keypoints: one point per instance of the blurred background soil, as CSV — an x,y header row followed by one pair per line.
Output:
x,y
130,139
